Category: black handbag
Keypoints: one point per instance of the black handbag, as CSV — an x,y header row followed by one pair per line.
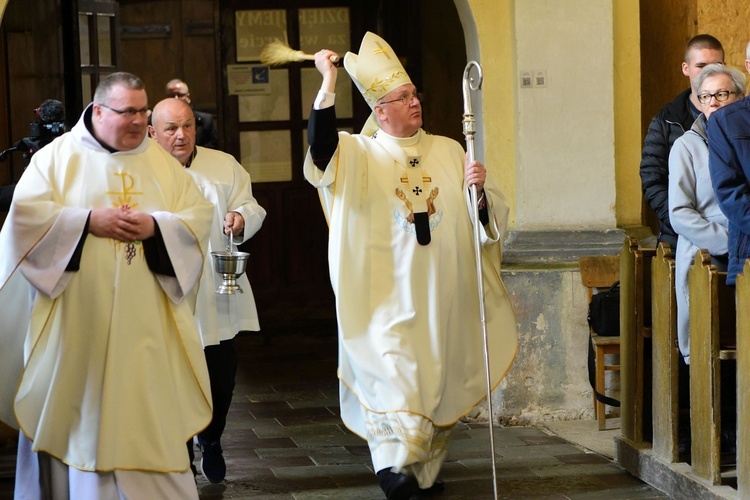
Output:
x,y
604,312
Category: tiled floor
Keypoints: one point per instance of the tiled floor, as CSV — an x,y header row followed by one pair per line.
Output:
x,y
285,440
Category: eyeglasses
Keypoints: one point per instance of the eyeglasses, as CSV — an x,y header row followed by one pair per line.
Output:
x,y
405,99
178,95
129,112
720,96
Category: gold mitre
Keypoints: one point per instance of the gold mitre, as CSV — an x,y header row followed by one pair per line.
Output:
x,y
376,70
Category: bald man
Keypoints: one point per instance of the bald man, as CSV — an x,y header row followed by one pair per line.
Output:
x,y
206,134
226,184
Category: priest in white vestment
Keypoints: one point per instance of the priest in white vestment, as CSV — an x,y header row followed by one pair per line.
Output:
x,y
402,266
226,184
101,360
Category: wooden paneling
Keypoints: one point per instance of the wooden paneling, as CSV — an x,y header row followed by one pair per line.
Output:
x,y
743,382
635,333
712,341
666,356
662,52
34,71
166,39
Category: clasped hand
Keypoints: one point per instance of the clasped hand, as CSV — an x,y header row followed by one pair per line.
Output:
x,y
122,224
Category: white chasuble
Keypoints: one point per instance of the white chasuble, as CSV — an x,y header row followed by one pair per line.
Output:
x,y
114,375
411,354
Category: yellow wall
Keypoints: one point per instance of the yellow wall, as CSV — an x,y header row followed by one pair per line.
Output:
x,y
495,27
495,22
726,20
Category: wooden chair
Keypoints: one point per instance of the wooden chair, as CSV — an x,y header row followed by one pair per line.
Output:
x,y
635,333
712,340
601,272
743,380
666,354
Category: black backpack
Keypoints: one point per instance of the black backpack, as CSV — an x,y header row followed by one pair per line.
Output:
x,y
604,320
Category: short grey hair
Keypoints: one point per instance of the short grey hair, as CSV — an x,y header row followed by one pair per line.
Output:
x,y
122,79
737,76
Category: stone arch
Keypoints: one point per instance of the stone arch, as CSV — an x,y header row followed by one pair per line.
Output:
x,y
471,40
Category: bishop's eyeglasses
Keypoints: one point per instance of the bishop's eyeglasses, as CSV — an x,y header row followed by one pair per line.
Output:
x,y
405,99
720,96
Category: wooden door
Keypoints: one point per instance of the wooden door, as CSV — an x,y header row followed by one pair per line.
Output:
x,y
266,122
166,39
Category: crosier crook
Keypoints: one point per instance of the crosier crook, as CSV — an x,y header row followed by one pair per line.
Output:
x,y
469,129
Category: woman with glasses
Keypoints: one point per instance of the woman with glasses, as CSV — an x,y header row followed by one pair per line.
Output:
x,y
693,209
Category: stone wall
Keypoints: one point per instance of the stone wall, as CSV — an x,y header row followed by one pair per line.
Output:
x,y
549,378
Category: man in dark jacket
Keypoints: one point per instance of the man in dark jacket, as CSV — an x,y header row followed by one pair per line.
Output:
x,y
671,122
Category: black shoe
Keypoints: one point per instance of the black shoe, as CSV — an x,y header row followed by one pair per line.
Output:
x,y
397,486
437,487
212,462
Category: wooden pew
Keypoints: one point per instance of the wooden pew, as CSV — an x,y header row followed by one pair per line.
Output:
x,y
665,356
743,382
635,333
712,340
601,272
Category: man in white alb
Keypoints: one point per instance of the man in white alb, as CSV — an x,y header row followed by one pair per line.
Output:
x,y
226,184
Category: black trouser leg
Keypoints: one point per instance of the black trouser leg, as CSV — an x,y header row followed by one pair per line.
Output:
x,y
222,368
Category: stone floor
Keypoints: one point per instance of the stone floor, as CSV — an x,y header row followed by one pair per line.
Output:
x,y
285,440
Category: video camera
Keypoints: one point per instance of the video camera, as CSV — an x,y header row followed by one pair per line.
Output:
x,y
49,125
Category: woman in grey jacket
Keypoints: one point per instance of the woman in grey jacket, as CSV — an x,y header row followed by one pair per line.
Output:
x,y
693,210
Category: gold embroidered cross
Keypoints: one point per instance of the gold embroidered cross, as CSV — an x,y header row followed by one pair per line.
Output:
x,y
125,197
381,50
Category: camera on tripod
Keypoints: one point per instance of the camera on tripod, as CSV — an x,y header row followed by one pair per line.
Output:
x,y
50,124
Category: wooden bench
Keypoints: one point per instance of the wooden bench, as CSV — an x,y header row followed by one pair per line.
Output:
x,y
666,355
601,272
743,380
635,346
712,340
